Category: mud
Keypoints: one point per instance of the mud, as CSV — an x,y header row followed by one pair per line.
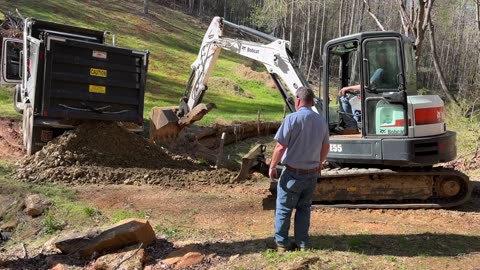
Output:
x,y
104,153
10,139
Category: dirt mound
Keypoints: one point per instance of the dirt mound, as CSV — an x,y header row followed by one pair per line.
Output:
x,y
248,72
10,139
228,86
464,163
105,153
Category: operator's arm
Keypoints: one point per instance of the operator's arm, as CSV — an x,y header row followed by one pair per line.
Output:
x,y
351,88
277,155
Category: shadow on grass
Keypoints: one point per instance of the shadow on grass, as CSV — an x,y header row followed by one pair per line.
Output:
x,y
407,245
402,245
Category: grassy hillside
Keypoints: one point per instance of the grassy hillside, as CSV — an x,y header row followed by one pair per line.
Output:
x,y
173,40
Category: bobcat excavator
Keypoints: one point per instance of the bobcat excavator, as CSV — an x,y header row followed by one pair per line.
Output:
x,y
389,163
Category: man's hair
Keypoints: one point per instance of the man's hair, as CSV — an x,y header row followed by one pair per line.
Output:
x,y
305,94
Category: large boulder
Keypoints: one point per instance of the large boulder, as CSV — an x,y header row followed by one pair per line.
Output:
x,y
124,233
36,204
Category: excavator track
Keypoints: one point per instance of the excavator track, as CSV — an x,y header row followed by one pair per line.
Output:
x,y
389,188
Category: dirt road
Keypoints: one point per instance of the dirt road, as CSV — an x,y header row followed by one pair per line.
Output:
x,y
230,220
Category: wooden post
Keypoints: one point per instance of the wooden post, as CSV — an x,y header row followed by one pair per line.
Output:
x,y
258,123
220,151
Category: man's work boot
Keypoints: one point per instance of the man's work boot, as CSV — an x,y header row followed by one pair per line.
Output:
x,y
282,248
296,247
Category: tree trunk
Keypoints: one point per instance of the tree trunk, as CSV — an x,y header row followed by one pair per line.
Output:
x,y
478,15
224,9
340,14
312,58
307,50
352,17
145,6
441,78
373,15
291,25
320,49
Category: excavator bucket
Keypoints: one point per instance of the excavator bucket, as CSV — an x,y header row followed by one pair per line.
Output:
x,y
254,160
165,125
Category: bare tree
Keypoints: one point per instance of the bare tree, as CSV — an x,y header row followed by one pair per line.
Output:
x,y
145,6
340,19
352,17
312,58
435,63
291,23
478,15
417,20
369,10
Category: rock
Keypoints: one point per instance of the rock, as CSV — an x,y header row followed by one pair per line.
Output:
x,y
190,259
56,262
49,246
177,255
8,226
128,258
234,257
36,204
125,233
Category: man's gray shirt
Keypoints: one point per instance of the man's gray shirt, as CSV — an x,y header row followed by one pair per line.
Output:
x,y
303,133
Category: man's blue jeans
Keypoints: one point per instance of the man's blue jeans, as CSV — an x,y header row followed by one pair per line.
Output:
x,y
350,117
294,191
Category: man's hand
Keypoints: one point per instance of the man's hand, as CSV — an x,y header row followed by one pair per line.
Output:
x,y
343,91
349,89
272,172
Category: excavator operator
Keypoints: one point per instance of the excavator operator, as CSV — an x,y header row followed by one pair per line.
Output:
x,y
351,115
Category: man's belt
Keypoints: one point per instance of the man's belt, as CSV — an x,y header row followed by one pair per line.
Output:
x,y
301,171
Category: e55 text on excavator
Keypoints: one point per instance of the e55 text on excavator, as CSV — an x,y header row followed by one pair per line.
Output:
x,y
388,162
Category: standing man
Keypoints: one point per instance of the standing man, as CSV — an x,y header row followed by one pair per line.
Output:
x,y
302,146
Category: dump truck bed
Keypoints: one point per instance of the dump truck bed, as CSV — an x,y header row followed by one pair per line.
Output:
x,y
92,81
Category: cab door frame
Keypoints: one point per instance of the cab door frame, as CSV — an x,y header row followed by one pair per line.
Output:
x,y
6,64
395,96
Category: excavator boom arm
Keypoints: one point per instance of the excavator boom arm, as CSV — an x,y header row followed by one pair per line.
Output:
x,y
274,56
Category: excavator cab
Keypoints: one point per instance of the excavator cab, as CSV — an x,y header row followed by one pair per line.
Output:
x,y
375,67
393,125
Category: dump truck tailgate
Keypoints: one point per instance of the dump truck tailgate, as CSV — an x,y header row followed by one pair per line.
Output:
x,y
84,80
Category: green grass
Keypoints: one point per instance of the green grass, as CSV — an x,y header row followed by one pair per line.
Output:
x,y
467,128
173,40
169,233
64,212
6,103
119,215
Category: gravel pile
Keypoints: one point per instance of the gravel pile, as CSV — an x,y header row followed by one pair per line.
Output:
x,y
104,153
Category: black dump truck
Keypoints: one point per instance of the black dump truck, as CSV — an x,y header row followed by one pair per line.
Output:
x,y
65,75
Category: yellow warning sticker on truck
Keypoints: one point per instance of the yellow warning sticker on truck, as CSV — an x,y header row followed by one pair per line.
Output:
x,y
98,72
97,89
